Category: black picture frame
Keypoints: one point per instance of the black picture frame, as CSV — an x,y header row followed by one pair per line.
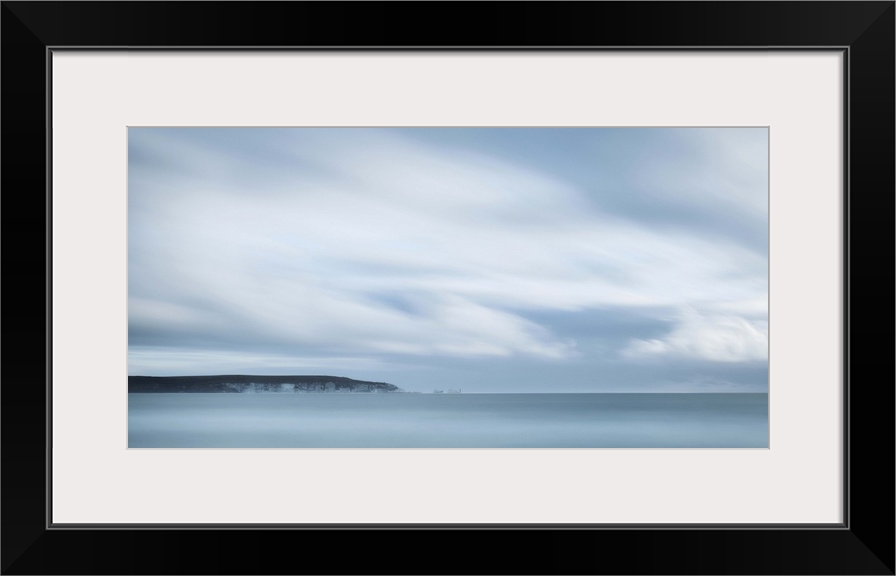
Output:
x,y
864,544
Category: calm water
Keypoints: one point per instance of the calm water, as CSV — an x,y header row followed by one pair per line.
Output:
x,y
448,420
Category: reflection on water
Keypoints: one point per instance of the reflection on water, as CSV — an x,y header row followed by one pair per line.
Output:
x,y
448,421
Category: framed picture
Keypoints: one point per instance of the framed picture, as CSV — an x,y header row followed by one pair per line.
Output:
x,y
549,211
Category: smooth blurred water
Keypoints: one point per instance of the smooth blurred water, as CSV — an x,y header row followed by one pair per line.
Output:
x,y
448,420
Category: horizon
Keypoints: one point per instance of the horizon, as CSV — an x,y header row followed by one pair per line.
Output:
x,y
495,260
434,391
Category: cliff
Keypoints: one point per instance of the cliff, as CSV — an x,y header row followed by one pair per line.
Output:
x,y
244,383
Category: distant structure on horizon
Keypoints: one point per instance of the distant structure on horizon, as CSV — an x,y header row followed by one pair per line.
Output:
x,y
256,384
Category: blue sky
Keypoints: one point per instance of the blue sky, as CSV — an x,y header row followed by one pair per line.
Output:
x,y
486,259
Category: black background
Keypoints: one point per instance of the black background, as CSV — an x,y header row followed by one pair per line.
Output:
x,y
865,545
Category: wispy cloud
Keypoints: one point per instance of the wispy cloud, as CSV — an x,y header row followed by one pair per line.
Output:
x,y
362,242
165,361
716,338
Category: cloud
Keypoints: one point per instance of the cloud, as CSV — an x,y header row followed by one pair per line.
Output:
x,y
362,242
714,338
165,361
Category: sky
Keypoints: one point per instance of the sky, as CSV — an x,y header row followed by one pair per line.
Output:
x,y
479,259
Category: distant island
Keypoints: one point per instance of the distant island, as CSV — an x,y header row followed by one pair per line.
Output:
x,y
244,383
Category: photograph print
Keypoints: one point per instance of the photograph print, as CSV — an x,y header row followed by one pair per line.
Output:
x,y
467,288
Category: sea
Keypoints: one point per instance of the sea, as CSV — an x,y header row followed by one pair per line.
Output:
x,y
408,420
